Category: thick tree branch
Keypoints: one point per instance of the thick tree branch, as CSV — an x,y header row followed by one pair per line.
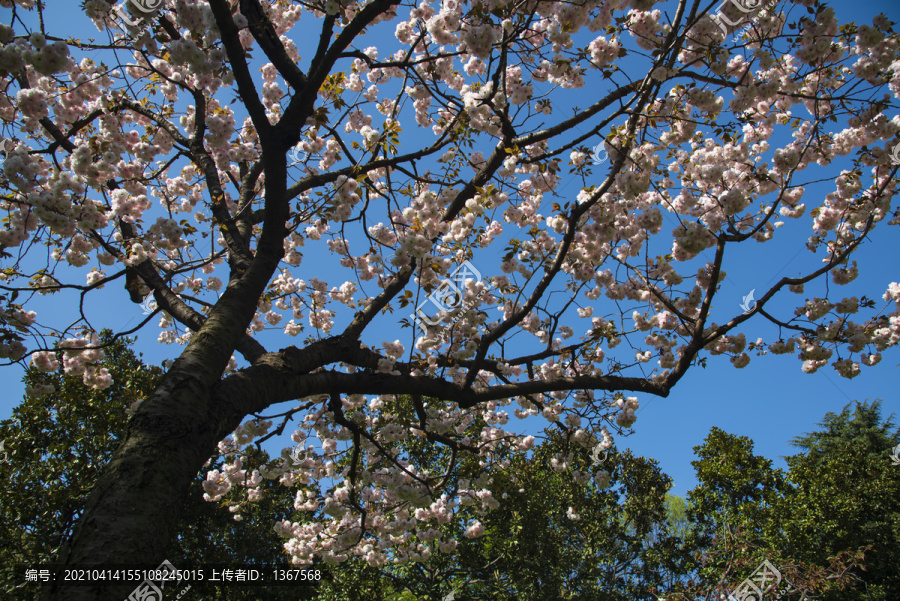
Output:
x,y
246,87
264,34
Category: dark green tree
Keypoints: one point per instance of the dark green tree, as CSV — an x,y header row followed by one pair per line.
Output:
x,y
737,488
556,533
845,496
864,428
58,442
830,523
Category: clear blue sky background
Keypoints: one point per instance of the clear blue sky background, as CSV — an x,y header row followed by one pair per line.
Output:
x,y
770,401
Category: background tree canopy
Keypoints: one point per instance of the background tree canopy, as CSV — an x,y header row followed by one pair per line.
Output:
x,y
829,523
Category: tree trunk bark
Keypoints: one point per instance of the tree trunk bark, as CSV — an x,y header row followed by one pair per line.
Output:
x,y
132,512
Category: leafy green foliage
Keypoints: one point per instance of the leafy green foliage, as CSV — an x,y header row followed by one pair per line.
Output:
x,y
845,497
57,446
737,487
831,522
555,535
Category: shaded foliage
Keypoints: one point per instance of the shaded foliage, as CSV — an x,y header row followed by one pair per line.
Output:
x,y
831,522
57,445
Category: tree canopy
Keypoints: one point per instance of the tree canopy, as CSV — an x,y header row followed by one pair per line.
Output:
x,y
58,444
567,523
830,520
580,539
540,198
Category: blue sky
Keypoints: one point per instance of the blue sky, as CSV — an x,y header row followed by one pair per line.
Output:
x,y
770,401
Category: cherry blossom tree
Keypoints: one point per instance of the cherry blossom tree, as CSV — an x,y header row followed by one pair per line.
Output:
x,y
552,178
